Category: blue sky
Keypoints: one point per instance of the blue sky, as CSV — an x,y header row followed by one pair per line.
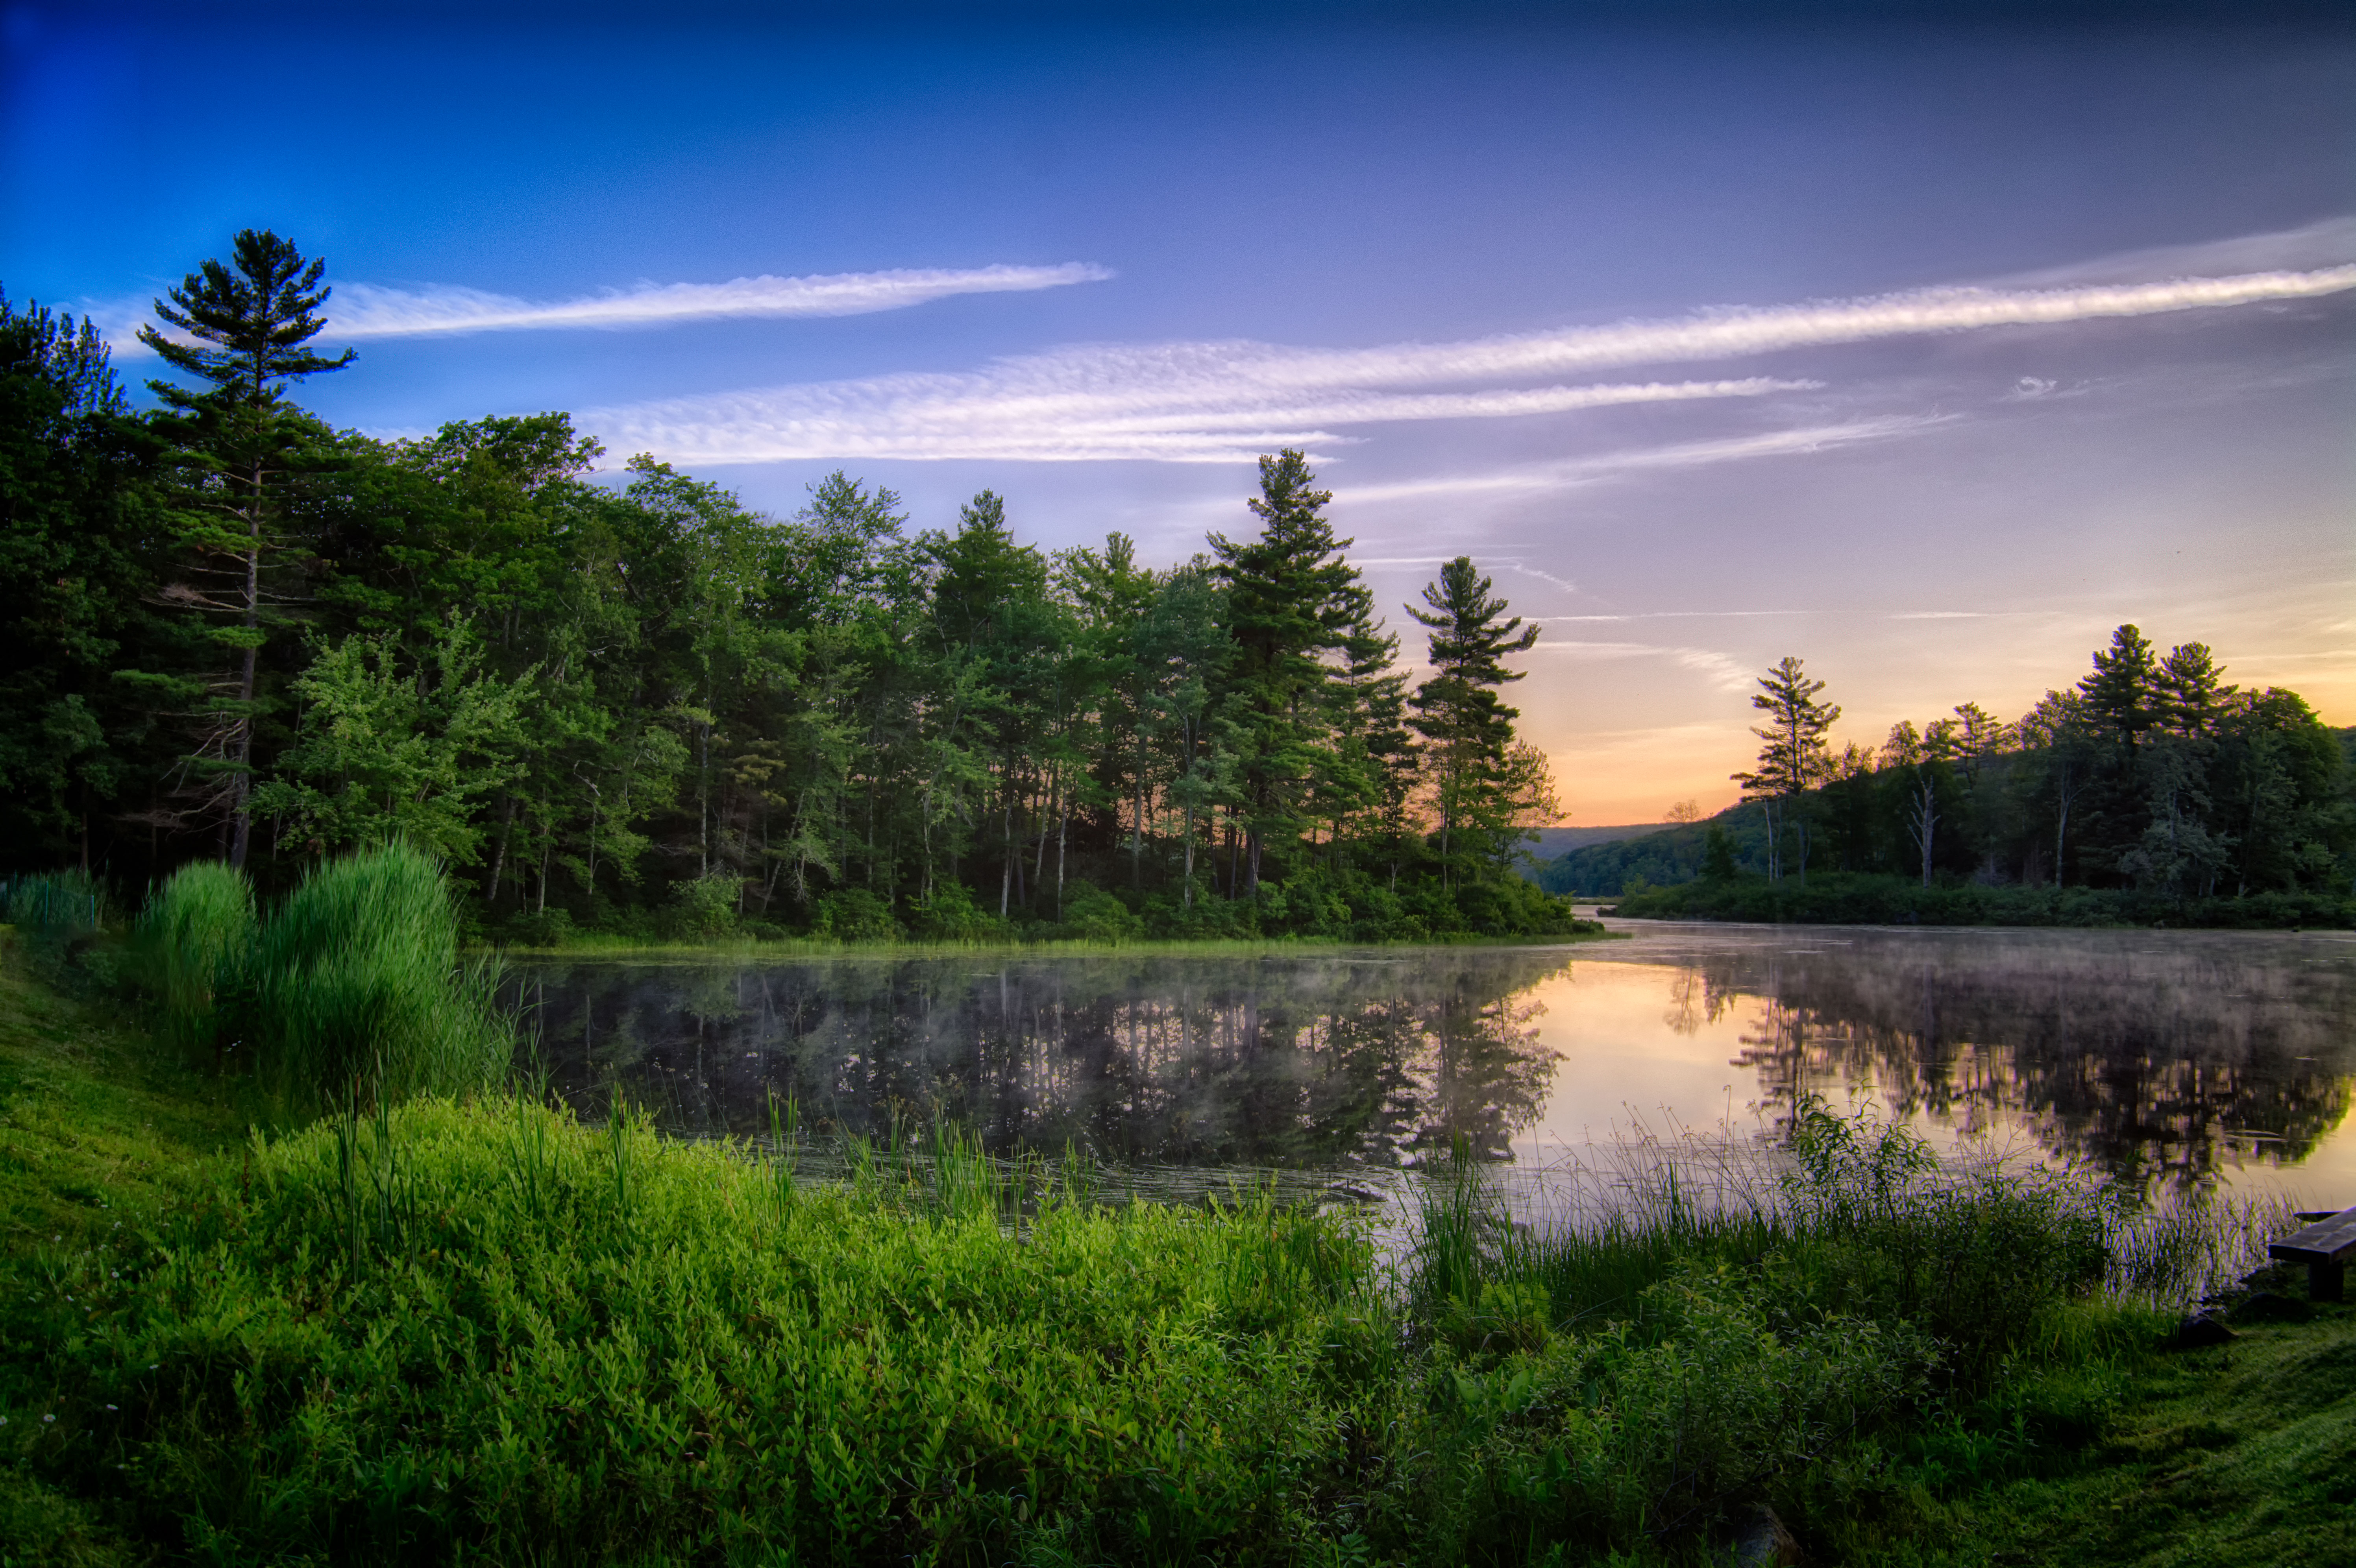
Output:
x,y
1926,352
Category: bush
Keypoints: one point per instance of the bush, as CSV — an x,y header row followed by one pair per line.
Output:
x,y
950,914
705,909
57,914
1092,915
853,914
541,928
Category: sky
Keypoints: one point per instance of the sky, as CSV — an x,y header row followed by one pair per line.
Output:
x,y
1927,351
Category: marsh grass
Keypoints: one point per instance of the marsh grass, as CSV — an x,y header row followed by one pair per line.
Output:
x,y
352,990
358,987
194,942
614,944
1708,1325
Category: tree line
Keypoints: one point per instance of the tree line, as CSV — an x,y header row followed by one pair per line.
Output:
x,y
234,632
2150,776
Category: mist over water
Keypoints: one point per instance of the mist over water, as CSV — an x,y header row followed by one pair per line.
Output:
x,y
2163,1058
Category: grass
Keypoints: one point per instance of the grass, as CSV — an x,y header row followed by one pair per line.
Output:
x,y
358,987
613,944
480,1327
195,942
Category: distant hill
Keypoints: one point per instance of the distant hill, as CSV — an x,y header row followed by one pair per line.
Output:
x,y
1660,855
1556,842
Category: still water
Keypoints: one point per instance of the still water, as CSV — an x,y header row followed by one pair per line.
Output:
x,y
2166,1059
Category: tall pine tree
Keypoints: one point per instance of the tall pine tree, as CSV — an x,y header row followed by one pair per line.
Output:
x,y
1458,711
1291,602
240,438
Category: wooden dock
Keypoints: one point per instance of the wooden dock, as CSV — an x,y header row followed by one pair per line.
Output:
x,y
2324,1246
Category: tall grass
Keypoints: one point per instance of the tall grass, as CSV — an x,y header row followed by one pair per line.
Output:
x,y
351,991
55,912
61,902
483,1331
196,942
360,987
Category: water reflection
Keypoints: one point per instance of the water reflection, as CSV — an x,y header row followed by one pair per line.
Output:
x,y
1337,1059
2163,1058
2160,1058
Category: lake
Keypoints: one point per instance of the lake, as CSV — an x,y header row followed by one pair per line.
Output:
x,y
2163,1058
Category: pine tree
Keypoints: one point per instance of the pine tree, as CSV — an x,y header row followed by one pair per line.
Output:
x,y
241,437
1795,756
1458,710
1292,600
2123,693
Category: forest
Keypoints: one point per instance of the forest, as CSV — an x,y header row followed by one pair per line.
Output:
x,y
627,703
2149,788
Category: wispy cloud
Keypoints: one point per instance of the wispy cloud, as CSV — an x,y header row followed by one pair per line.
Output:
x,y
1223,401
1721,670
366,311
1179,403
1573,471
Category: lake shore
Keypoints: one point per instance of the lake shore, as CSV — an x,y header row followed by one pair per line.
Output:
x,y
594,945
232,1344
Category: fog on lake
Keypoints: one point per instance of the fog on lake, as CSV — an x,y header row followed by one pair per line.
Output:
x,y
2166,1058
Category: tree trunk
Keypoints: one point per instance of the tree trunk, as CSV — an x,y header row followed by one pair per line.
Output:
x,y
240,782
1006,870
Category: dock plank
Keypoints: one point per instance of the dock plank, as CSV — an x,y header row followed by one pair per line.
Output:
x,y
2324,1246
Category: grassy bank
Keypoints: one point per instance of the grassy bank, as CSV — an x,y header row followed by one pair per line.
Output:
x,y
614,944
482,1329
1844,898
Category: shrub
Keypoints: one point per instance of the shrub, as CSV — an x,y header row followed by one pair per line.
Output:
x,y
1092,915
57,913
705,907
950,914
853,914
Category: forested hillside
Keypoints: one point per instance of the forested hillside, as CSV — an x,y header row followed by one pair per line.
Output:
x,y
629,702
2151,780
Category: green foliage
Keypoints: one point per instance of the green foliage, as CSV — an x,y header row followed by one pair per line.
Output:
x,y
1093,916
418,1332
387,752
195,940
1851,899
487,1329
358,989
1718,855
853,914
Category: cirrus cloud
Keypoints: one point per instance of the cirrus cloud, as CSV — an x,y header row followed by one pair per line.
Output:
x,y
1220,402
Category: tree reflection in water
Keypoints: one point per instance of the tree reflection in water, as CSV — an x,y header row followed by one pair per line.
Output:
x,y
1378,1059
2163,1058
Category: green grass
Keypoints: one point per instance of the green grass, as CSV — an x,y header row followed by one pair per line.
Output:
x,y
195,944
2232,1457
481,1328
612,944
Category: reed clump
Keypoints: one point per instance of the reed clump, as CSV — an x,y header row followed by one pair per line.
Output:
x,y
195,941
352,988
